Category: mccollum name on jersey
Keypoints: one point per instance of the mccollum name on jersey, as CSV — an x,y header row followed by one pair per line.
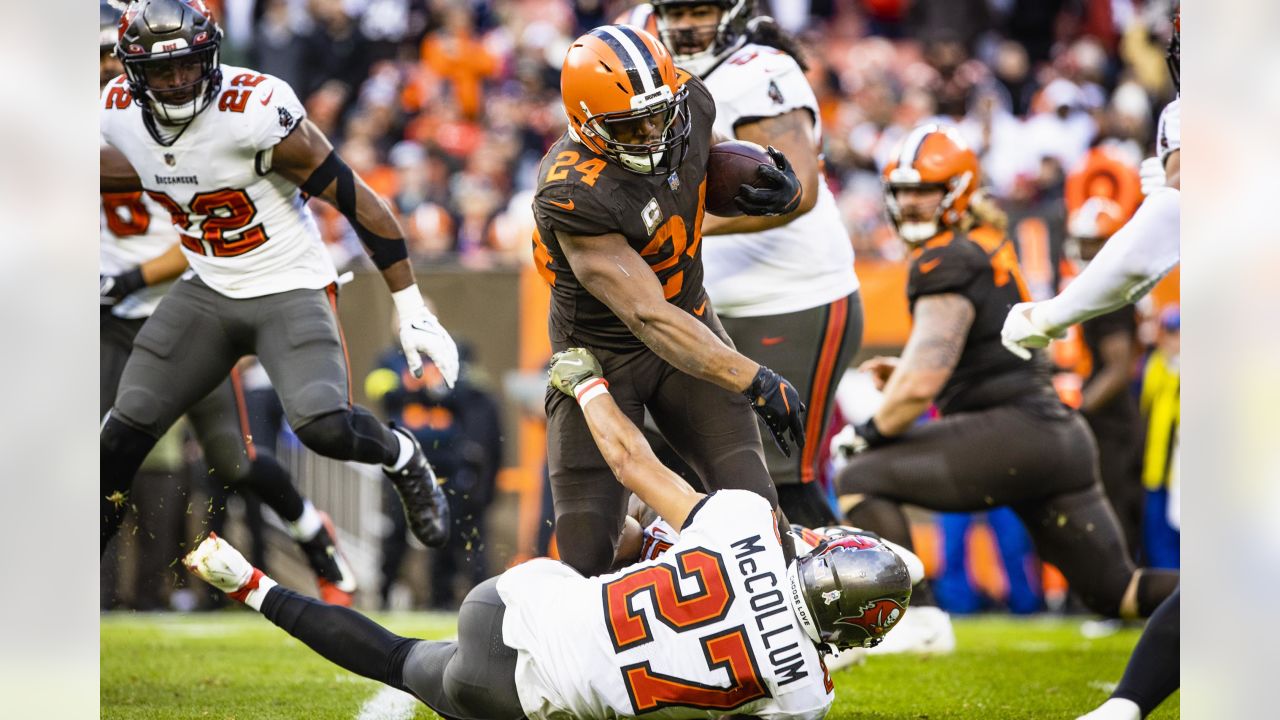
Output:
x,y
771,612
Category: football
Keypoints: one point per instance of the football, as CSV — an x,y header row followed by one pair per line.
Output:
x,y
731,165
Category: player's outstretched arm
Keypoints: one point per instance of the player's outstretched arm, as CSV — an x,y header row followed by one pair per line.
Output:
x,y
616,274
162,268
306,158
115,174
792,134
576,373
1129,265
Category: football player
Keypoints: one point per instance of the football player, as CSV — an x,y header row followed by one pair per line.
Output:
x,y
140,257
1004,437
1152,673
720,624
619,211
1134,260
783,285
231,157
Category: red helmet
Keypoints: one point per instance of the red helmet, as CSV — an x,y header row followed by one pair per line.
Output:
x,y
931,156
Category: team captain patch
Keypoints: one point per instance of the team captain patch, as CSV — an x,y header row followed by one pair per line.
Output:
x,y
652,215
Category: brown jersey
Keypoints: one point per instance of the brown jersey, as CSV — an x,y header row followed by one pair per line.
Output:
x,y
582,193
982,265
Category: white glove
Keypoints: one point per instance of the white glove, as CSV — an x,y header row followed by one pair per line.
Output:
x,y
1152,173
1020,331
844,445
421,332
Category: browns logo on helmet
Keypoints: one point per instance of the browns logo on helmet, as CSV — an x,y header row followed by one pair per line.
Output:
x,y
625,99
931,157
170,51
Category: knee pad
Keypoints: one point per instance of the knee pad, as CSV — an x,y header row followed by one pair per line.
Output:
x,y
586,541
328,435
122,450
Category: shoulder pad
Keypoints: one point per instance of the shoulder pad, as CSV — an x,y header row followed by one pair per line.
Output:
x,y
262,108
573,208
945,264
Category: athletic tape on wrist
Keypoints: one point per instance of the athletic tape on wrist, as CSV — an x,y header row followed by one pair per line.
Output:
x,y
384,251
590,390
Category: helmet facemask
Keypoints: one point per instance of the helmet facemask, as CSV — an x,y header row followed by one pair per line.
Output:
x,y
170,52
916,231
716,41
661,109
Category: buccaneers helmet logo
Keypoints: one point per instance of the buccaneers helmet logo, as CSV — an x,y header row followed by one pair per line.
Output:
x,y
876,617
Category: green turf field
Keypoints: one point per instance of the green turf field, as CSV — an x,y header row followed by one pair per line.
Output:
x,y
235,665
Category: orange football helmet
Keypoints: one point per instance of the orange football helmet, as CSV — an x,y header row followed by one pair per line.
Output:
x,y
1089,226
625,99
931,156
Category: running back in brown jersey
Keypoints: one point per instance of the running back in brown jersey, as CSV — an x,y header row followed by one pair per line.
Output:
x,y
982,265
581,193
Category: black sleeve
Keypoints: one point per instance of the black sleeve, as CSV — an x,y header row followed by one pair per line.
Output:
x,y
945,269
573,209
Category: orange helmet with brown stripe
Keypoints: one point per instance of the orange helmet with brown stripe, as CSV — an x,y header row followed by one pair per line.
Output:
x,y
1090,225
625,99
931,156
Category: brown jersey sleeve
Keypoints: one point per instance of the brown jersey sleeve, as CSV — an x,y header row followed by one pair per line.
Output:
x,y
573,209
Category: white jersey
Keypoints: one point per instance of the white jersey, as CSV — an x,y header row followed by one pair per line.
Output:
x,y
134,229
246,234
809,261
1169,130
702,631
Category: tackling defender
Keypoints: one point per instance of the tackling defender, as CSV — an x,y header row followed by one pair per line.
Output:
x,y
619,211
722,623
230,155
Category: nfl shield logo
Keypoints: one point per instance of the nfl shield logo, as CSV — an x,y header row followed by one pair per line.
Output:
x,y
674,181
169,159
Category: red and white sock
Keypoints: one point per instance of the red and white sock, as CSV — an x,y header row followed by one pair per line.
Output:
x,y
588,390
254,592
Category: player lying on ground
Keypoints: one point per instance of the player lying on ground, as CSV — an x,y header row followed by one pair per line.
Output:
x,y
720,623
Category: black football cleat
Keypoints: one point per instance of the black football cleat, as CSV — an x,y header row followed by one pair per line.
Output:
x,y
425,505
334,577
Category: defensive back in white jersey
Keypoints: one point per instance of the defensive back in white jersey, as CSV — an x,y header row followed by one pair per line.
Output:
x,y
245,230
807,262
698,632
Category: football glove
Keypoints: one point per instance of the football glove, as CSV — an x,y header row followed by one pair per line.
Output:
x,y
780,194
570,368
421,332
114,288
775,400
1021,332
1152,173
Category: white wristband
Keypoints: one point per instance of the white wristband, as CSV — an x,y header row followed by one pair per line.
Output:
x,y
591,389
408,300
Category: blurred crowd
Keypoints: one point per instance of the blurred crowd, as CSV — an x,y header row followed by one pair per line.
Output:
x,y
447,106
